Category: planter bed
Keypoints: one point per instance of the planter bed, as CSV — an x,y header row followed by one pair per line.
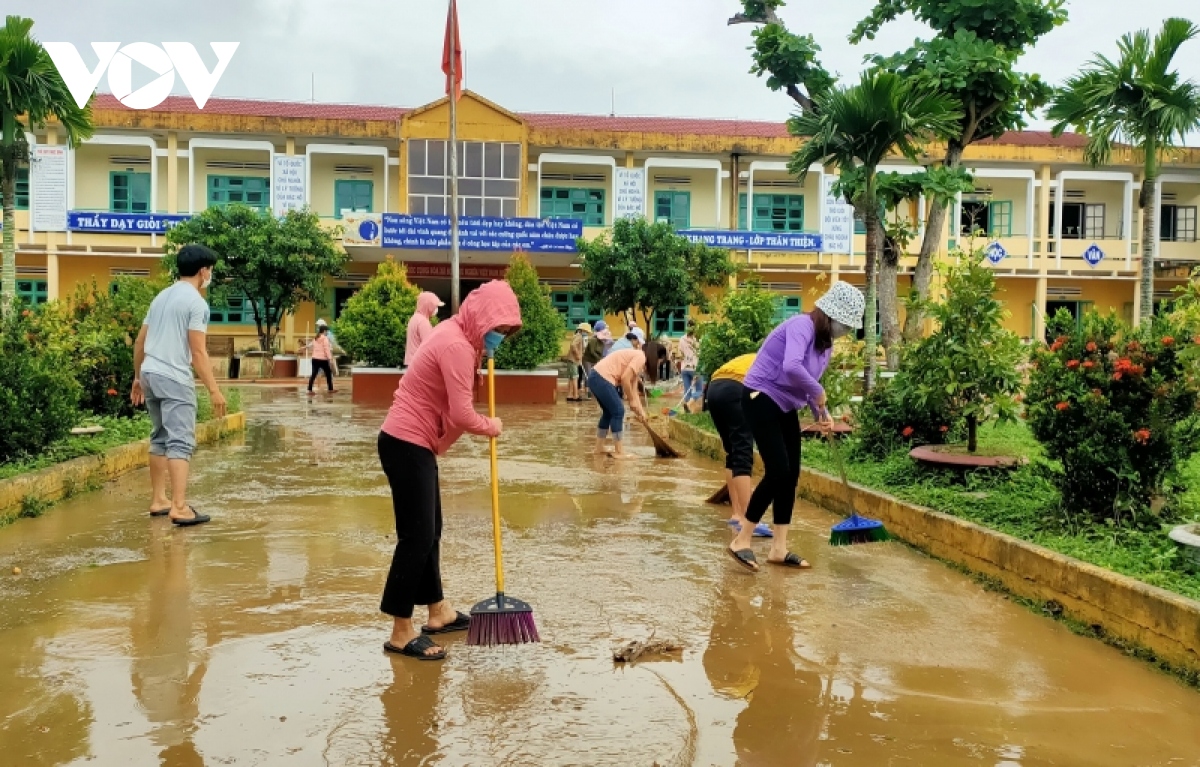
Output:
x,y
377,386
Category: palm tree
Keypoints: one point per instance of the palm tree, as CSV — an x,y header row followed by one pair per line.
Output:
x,y
1139,100
855,128
30,89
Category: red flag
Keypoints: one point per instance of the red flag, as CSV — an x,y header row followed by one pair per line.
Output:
x,y
453,47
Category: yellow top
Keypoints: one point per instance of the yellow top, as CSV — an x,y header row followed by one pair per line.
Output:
x,y
736,369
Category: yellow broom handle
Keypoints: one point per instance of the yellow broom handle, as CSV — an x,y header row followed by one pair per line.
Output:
x,y
495,479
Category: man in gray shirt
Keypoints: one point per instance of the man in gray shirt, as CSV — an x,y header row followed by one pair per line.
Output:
x,y
171,343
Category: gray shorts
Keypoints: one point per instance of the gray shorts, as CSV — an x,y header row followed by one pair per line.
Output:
x,y
172,407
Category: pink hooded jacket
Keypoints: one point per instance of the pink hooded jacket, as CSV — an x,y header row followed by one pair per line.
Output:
x,y
419,326
434,404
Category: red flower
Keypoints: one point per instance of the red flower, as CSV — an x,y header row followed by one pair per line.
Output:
x,y
1142,436
25,313
908,431
945,429
1056,346
1117,376
1072,364
1134,346
1091,346
1088,365
112,392
1168,341
1062,406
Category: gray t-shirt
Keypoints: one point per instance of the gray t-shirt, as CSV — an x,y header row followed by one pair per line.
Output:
x,y
172,314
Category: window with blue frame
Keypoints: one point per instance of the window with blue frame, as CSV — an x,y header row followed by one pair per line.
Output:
x,y
584,204
773,213
22,189
245,190
352,195
237,310
787,306
129,192
32,292
671,321
574,308
674,208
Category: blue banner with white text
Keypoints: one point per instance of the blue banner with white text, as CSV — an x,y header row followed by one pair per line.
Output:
x,y
481,233
791,242
123,223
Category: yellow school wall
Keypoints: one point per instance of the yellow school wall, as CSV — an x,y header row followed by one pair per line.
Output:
x,y
1018,296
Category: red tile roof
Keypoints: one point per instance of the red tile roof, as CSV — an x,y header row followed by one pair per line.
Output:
x,y
255,108
675,125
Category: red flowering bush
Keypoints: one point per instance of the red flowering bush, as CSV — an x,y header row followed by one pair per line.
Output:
x,y
1117,408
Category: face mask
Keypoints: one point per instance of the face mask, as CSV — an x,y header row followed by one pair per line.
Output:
x,y
491,342
837,329
207,280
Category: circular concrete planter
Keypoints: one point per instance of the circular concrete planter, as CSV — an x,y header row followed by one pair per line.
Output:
x,y
955,457
1187,538
840,429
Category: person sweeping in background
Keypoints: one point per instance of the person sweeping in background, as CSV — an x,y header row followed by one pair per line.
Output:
x,y
723,401
432,408
619,370
784,378
419,325
322,358
575,380
689,353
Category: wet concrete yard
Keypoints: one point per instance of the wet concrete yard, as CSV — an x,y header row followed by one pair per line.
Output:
x,y
256,640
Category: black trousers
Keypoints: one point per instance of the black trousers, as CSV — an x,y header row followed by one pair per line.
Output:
x,y
724,403
415,577
777,435
317,367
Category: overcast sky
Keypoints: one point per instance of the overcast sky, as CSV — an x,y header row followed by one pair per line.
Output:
x,y
661,57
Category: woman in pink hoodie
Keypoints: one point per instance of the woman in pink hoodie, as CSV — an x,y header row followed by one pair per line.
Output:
x,y
419,325
432,408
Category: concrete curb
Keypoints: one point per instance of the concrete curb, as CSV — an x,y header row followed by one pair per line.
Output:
x,y
1156,621
54,483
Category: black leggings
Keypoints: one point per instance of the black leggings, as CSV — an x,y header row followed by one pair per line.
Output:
x,y
415,577
777,435
317,367
724,403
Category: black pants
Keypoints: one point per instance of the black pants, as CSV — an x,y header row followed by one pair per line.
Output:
x,y
777,435
415,577
724,403
317,367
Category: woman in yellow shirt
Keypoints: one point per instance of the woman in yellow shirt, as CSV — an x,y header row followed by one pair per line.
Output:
x,y
723,400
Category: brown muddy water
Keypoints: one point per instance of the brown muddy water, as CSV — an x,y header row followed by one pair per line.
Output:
x,y
256,640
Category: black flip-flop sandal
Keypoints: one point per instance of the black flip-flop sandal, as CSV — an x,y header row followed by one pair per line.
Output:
x,y
745,558
416,649
461,623
794,561
198,519
160,513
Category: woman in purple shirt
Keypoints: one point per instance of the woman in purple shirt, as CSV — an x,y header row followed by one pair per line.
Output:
x,y
785,378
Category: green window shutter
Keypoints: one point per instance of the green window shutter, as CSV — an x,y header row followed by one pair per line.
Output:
x,y
788,306
22,190
575,308
778,213
33,292
129,192
1000,215
354,195
243,190
674,208
672,321
741,225
237,311
563,202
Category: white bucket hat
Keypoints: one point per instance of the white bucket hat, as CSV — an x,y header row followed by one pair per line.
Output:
x,y
844,303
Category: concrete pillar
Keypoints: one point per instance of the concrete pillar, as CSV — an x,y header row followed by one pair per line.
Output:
x,y
1137,300
1039,309
172,172
1043,216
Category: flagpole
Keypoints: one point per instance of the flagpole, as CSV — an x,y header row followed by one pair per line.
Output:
x,y
455,290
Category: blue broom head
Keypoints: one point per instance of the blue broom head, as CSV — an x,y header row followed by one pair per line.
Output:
x,y
855,523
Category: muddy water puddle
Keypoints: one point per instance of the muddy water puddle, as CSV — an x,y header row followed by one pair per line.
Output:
x,y
256,640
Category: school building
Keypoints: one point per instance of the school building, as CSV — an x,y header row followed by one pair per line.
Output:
x,y
1061,234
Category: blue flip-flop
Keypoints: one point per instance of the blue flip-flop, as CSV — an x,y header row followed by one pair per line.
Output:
x,y
761,530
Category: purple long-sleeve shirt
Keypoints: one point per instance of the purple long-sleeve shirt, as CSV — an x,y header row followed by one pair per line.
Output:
x,y
788,368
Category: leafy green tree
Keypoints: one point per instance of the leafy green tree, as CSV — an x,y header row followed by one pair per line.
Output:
x,y
857,127
972,57
373,326
746,318
276,263
31,93
1141,100
649,267
541,335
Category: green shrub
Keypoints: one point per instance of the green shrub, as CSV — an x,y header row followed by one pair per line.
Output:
x,y
843,377
540,339
38,389
1117,408
373,326
743,323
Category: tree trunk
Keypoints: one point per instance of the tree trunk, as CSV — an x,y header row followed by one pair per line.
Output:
x,y
972,434
889,304
874,248
8,188
923,275
1149,230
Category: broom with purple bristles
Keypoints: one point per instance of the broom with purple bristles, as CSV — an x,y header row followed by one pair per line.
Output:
x,y
501,619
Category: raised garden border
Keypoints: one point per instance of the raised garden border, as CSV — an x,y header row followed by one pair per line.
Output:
x,y
1143,620
53,483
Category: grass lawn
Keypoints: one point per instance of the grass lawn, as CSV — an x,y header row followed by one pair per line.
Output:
x,y
1023,503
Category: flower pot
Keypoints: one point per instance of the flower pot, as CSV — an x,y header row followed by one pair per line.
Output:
x,y
520,387
1187,539
283,366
